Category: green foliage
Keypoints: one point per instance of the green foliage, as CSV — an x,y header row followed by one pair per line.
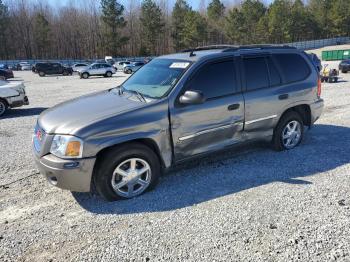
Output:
x,y
152,26
113,20
216,14
41,33
180,11
194,32
247,24
4,22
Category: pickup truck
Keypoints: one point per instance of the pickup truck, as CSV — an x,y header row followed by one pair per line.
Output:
x,y
175,108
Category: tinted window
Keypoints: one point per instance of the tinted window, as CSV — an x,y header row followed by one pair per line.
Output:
x,y
293,67
275,78
256,73
215,80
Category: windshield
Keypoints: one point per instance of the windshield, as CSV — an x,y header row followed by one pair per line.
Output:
x,y
156,78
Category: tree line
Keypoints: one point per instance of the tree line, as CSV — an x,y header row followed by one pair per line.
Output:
x,y
94,28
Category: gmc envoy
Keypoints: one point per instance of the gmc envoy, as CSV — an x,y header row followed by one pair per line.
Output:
x,y
174,108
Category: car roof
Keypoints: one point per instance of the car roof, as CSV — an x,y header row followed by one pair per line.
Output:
x,y
200,53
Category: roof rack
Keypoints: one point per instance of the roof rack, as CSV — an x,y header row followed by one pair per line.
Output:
x,y
260,47
231,48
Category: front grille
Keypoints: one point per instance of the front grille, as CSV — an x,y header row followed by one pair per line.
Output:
x,y
38,138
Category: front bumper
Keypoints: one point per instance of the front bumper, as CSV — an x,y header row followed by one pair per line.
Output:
x,y
74,175
316,110
17,101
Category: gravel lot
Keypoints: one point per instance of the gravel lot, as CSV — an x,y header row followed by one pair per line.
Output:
x,y
248,204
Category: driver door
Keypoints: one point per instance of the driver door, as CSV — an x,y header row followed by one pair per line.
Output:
x,y
215,123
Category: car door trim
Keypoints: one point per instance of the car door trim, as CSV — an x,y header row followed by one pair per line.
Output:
x,y
260,119
183,138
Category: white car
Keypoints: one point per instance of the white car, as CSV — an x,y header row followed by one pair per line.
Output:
x,y
25,66
79,66
97,69
121,64
12,94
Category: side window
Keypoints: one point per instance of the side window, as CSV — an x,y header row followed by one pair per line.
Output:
x,y
275,78
215,80
256,73
293,67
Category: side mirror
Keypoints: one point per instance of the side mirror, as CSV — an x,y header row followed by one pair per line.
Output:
x,y
192,97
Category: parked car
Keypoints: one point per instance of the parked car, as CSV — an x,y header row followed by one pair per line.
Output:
x,y
25,66
316,61
109,60
52,69
121,64
344,66
175,108
12,94
133,67
3,66
78,66
6,74
97,69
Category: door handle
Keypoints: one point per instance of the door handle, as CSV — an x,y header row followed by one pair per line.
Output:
x,y
283,97
233,107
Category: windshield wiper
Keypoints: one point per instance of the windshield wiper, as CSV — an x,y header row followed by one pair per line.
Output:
x,y
139,95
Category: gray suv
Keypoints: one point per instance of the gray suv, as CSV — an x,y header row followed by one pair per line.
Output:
x,y
174,108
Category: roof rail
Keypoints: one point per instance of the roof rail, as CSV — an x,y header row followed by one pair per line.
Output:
x,y
231,48
260,47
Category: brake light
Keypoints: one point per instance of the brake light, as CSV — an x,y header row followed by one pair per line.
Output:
x,y
319,88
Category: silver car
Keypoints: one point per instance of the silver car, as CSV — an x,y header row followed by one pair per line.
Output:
x,y
12,94
79,66
97,69
174,108
121,64
133,67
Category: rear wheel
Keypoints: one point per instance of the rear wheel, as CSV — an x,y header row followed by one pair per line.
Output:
x,y
126,172
289,132
41,73
65,73
3,107
109,74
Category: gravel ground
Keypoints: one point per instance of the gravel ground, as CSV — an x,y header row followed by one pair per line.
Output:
x,y
247,204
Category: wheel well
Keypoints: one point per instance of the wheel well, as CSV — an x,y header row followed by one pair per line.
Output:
x,y
145,141
3,99
304,111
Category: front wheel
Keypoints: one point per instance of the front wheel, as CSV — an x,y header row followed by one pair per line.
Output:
x,y
289,132
85,75
126,172
41,73
109,74
3,107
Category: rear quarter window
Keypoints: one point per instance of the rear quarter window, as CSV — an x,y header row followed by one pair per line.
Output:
x,y
293,66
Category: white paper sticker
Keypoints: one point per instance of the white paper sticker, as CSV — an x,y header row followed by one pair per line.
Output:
x,y
181,65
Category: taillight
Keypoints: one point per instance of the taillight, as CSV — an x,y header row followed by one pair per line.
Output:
x,y
319,88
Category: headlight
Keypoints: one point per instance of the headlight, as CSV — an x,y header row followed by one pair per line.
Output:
x,y
66,146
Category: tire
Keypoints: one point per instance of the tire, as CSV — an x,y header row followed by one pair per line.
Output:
x,y
129,71
109,74
3,107
85,75
279,143
65,73
121,156
41,73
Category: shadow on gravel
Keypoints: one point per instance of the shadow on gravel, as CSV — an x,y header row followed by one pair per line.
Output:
x,y
22,112
324,148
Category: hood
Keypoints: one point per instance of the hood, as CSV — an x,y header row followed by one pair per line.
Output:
x,y
71,116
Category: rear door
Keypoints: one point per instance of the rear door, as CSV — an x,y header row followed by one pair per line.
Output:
x,y
218,121
262,82
272,84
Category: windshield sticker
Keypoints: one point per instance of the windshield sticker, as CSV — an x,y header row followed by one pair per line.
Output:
x,y
181,65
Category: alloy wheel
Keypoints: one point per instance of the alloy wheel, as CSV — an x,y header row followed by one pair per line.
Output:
x,y
2,108
291,134
131,177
